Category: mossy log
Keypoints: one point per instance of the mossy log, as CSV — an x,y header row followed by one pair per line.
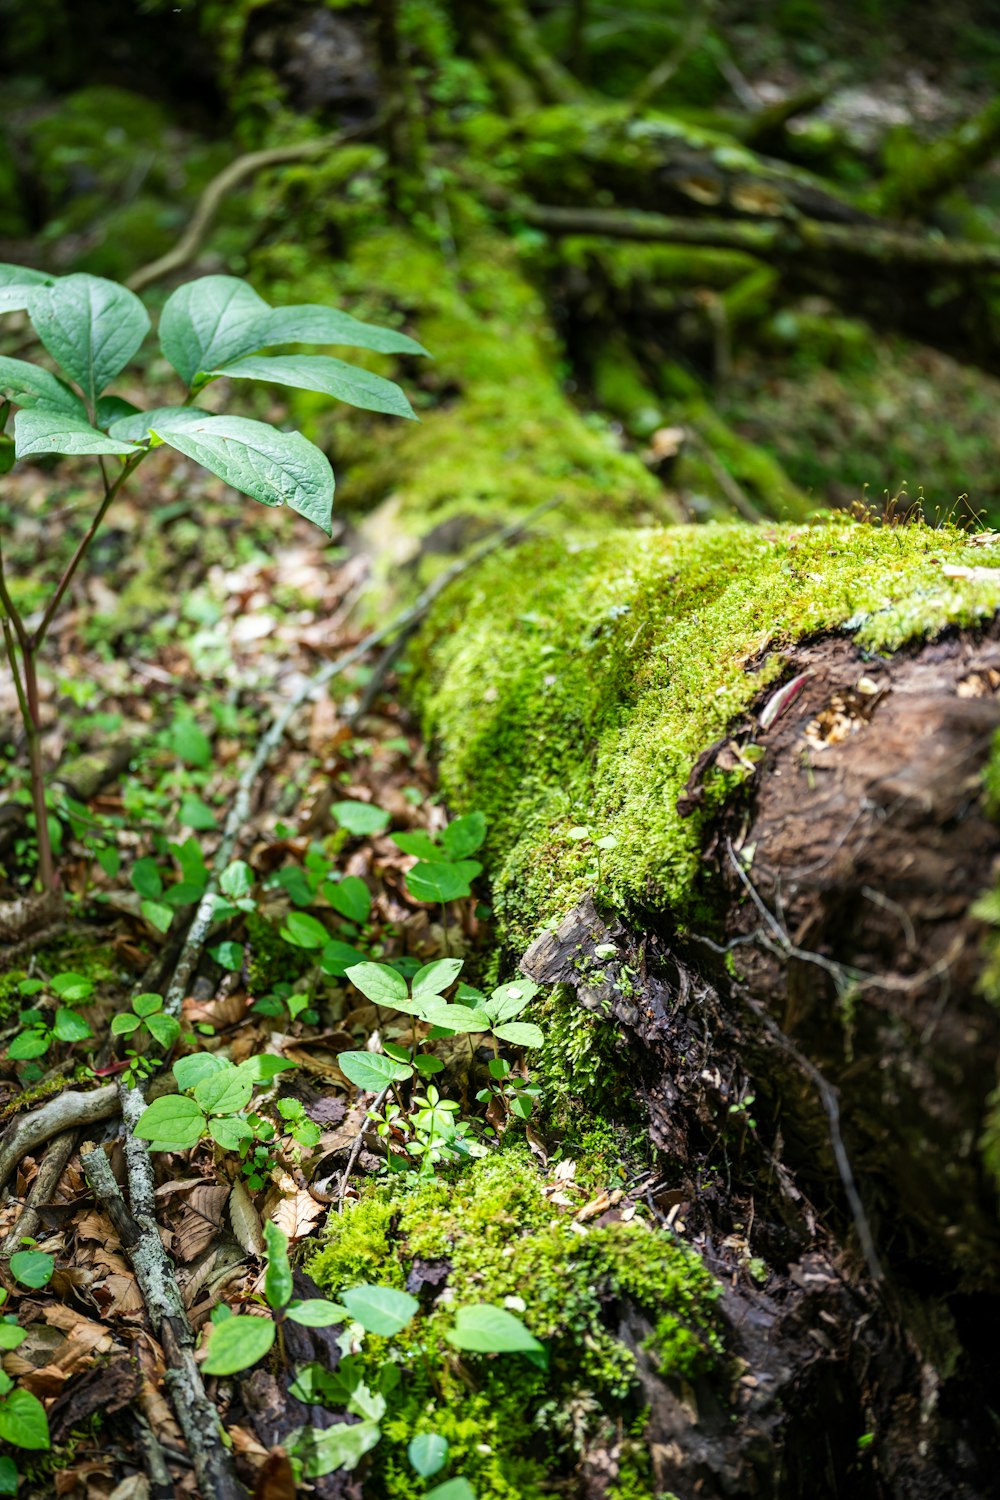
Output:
x,y
741,795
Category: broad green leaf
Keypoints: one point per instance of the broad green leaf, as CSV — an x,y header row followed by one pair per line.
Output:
x,y
452,1489
427,1453
237,1344
112,409
520,1034
484,1329
37,429
278,1275
32,1267
457,1018
338,957
172,1123
147,1004
11,1337
329,376
136,428
304,931
29,385
442,882
9,1477
434,979
312,323
508,1000
316,1312
190,743
194,813
229,1131
350,897
69,1027
237,880
211,320
23,1421
264,1066
145,877
322,1450
371,1070
359,818
70,986
418,843
91,326
164,1030
228,954
378,983
189,1071
157,914
464,836
380,1309
191,860
16,283
276,468
29,1044
224,1093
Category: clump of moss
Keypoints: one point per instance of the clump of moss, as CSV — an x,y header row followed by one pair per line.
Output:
x,y
578,683
270,959
503,1240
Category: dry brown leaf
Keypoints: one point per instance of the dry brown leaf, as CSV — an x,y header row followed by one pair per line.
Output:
x,y
245,1219
297,1214
200,1221
226,1011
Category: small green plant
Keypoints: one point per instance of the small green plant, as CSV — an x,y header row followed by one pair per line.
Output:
x,y
147,1016
213,1103
210,328
238,1341
40,1029
444,870
23,1422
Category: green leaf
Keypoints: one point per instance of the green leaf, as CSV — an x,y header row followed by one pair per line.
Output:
x,y
321,1451
224,1093
16,283
371,1070
145,878
278,1275
229,1131
91,326
464,836
312,323
484,1329
276,468
350,897
316,1312
237,1344
125,1024
452,1489
520,1034
164,1030
70,986
138,428
69,1027
157,914
191,860
29,1044
29,385
331,377
40,430
418,843
11,1337
359,818
171,1123
434,979
32,1267
304,931
264,1066
237,880
147,1004
508,1000
189,1071
211,320
8,1468
228,954
457,1018
378,983
427,1453
194,813
190,743
23,1421
380,1309
112,409
337,958
442,882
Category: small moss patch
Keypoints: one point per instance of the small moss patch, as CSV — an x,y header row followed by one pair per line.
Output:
x,y
512,1426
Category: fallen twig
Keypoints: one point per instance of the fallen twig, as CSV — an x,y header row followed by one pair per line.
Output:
x,y
356,1150
45,1183
64,1112
140,1237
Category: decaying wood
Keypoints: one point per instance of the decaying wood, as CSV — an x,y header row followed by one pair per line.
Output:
x,y
46,1181
67,1111
139,1234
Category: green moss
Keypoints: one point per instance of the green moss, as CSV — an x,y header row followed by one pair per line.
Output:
x,y
577,683
502,1238
10,997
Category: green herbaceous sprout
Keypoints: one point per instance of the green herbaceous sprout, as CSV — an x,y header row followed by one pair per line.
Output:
x,y
239,1340
212,327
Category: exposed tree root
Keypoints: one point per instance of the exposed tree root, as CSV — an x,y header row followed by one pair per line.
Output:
x,y
67,1111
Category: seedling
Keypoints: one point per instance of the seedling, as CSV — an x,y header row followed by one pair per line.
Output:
x,y
210,328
